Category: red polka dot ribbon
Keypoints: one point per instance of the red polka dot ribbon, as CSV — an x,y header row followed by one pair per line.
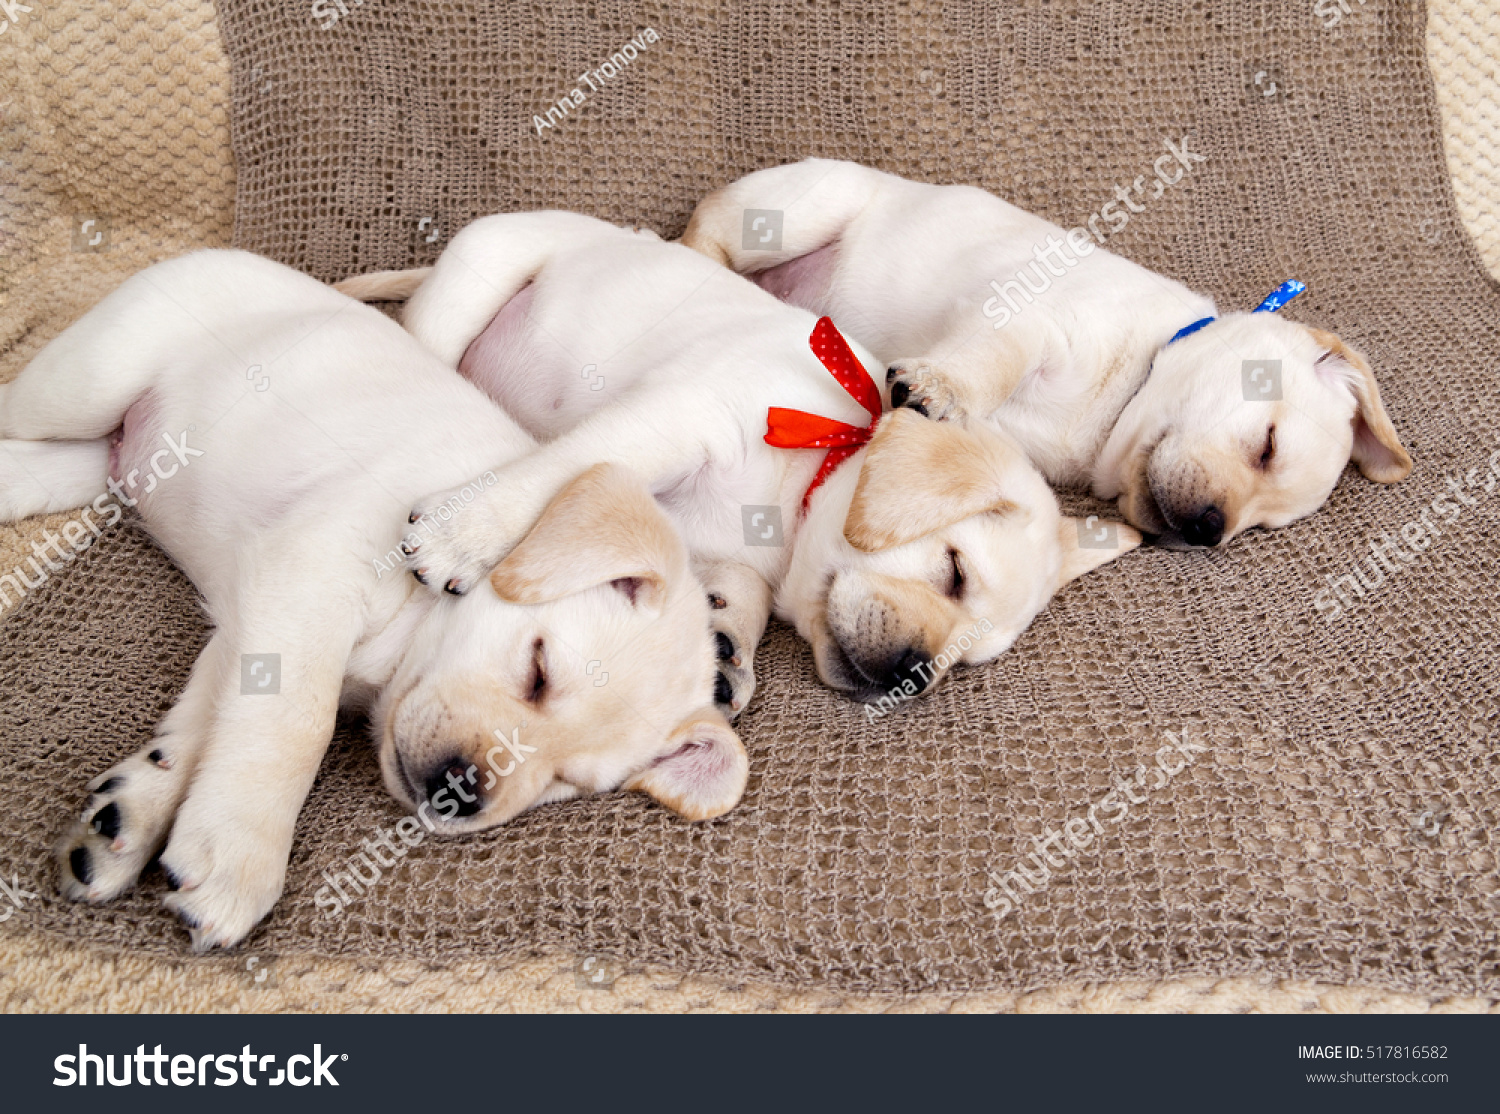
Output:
x,y
797,429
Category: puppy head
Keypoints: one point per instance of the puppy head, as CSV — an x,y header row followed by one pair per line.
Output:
x,y
1220,439
940,546
584,663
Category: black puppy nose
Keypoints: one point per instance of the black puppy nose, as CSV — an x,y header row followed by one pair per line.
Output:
x,y
460,780
1206,529
910,666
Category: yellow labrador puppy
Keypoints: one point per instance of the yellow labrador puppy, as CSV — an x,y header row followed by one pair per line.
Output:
x,y
1106,373
583,663
928,545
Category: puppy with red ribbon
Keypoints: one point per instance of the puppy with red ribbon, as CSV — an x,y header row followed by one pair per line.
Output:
x,y
897,546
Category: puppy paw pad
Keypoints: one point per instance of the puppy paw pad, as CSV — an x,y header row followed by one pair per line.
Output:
x,y
108,844
734,683
106,821
921,387
81,865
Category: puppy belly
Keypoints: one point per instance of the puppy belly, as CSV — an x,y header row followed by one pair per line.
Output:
x,y
503,362
803,282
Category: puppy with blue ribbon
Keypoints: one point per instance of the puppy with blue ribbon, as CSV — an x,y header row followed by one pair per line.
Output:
x,y
1202,425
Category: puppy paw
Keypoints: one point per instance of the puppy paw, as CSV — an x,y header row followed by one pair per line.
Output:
x,y
735,683
225,877
125,822
448,547
919,386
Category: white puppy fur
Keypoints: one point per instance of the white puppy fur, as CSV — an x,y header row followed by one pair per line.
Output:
x,y
616,346
277,509
1072,364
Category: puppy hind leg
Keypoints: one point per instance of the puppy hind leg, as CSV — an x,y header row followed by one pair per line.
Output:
x,y
801,208
40,477
488,263
131,806
740,603
79,387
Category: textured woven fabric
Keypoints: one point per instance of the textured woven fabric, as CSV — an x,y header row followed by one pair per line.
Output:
x,y
136,147
1338,825
39,974
1463,44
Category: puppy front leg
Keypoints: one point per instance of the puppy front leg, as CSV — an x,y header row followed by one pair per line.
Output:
x,y
131,805
975,376
454,544
740,603
227,856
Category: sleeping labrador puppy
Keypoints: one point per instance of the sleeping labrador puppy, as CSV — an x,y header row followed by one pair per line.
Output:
x,y
278,503
929,545
982,310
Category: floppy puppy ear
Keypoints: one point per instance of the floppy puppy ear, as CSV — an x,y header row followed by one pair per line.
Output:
x,y
703,772
1377,449
1090,542
603,528
920,475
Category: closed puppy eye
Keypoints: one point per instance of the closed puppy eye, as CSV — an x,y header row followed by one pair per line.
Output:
x,y
1268,450
956,575
537,687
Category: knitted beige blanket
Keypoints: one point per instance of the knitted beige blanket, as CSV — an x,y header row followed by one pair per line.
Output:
x,y
1332,831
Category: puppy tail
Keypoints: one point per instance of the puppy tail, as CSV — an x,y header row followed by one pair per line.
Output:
x,y
701,234
384,286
